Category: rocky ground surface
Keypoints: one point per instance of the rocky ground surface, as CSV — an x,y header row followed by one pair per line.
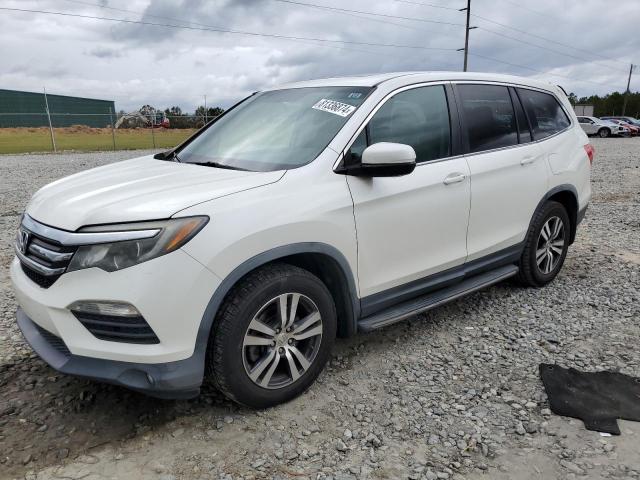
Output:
x,y
449,395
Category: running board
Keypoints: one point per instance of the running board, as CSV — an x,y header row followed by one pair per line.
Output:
x,y
434,299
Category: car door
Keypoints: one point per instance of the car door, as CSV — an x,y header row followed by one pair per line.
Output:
x,y
587,125
590,127
548,120
508,171
412,226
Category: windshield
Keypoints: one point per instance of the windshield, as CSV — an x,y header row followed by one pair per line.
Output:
x,y
275,130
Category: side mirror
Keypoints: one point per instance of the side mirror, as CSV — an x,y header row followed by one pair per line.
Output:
x,y
385,160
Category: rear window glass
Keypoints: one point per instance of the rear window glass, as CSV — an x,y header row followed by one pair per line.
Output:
x,y
489,117
545,113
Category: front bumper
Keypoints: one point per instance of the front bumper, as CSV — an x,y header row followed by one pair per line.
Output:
x,y
170,292
176,380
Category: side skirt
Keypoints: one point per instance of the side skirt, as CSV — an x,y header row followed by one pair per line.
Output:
x,y
431,300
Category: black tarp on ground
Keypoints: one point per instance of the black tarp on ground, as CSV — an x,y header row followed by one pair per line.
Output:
x,y
596,398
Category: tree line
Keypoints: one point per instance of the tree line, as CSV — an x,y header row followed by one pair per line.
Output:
x,y
177,118
610,104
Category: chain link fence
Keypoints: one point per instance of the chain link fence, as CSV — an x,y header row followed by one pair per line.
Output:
x,y
53,132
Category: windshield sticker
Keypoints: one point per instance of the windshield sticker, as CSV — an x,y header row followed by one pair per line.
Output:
x,y
337,108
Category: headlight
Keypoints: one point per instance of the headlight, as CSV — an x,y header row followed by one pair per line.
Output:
x,y
172,234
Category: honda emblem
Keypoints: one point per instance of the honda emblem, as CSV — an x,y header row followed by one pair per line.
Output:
x,y
23,241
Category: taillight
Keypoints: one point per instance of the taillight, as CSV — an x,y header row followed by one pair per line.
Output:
x,y
590,152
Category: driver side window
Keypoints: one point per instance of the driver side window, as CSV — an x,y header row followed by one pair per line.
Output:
x,y
418,117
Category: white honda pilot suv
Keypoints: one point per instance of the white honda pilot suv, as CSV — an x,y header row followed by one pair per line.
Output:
x,y
305,212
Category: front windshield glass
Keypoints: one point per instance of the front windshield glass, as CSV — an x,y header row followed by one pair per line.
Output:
x,y
275,130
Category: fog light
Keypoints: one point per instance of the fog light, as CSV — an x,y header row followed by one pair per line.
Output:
x,y
114,322
113,309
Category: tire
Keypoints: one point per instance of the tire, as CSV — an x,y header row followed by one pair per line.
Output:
x,y
604,133
237,351
537,270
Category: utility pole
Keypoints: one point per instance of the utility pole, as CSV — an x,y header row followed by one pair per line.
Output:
x,y
466,36
626,93
205,110
53,137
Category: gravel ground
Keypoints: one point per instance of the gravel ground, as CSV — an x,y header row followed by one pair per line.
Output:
x,y
451,394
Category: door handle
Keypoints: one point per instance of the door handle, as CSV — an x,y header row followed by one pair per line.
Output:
x,y
454,178
527,160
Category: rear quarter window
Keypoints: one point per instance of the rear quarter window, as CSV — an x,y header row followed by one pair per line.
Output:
x,y
545,113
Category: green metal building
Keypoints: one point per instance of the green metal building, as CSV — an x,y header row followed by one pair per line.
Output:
x,y
29,109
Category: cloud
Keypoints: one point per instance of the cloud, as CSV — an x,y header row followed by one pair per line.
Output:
x,y
145,64
105,52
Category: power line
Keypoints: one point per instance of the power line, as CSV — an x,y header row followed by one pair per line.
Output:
x,y
558,52
338,9
535,70
146,14
519,5
137,12
524,32
277,36
223,30
427,5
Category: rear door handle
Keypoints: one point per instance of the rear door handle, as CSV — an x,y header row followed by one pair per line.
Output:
x,y
527,160
454,178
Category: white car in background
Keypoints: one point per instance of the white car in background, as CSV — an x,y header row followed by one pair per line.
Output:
x,y
309,211
601,128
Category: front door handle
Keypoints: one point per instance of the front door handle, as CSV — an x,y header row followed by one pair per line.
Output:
x,y
454,178
527,160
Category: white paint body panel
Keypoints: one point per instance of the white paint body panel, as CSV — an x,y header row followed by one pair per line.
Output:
x,y
309,204
506,187
389,230
171,292
411,226
133,190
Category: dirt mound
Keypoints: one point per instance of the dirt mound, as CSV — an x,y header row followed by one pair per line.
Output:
x,y
80,129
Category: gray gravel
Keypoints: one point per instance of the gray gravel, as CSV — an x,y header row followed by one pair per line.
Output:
x,y
451,394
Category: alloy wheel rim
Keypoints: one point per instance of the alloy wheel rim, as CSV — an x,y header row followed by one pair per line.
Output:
x,y
550,245
282,340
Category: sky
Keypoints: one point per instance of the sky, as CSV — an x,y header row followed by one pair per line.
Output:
x,y
587,45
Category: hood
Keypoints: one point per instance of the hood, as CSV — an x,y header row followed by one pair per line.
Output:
x,y
136,190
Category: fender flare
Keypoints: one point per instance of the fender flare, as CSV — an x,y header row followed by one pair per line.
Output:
x,y
208,318
573,216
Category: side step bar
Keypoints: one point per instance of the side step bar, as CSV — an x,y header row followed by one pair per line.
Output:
x,y
434,299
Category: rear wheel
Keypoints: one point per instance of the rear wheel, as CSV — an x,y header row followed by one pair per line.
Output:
x,y
604,132
273,336
546,245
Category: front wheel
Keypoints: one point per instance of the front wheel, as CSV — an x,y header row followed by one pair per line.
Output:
x,y
272,336
604,132
546,245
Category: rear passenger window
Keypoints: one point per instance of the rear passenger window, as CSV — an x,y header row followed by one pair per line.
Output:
x,y
545,113
489,117
418,117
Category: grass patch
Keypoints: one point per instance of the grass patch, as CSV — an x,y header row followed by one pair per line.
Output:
x,y
81,138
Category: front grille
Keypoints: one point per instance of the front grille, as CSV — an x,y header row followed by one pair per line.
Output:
x,y
39,279
118,329
56,342
43,260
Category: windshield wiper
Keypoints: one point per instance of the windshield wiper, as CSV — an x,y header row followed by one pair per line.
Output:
x,y
219,165
168,155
